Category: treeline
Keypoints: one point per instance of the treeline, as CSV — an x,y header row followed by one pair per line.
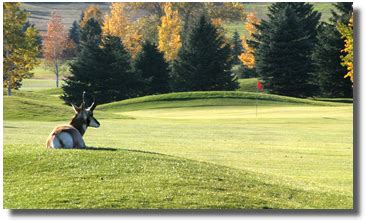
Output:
x,y
184,47
105,68
296,55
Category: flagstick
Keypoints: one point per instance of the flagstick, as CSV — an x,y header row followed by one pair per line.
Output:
x,y
257,92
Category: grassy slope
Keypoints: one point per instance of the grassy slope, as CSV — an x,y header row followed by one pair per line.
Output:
x,y
215,98
302,158
38,105
133,179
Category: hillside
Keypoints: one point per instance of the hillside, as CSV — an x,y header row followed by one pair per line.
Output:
x,y
40,12
182,150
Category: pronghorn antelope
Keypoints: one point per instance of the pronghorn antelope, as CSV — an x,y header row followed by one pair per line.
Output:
x,y
70,136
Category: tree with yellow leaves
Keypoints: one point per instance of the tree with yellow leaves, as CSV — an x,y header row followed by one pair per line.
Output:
x,y
20,48
92,11
247,57
348,59
169,33
117,23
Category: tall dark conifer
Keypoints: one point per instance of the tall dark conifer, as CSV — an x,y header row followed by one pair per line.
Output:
x,y
284,49
151,66
237,48
90,34
74,33
204,61
102,69
329,71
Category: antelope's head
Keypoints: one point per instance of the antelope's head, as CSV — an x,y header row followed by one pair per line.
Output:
x,y
84,115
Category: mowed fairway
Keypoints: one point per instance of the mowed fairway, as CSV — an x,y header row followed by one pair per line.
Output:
x,y
189,150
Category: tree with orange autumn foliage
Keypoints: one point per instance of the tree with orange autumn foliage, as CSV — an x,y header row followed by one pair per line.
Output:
x,y
247,57
92,11
55,43
169,33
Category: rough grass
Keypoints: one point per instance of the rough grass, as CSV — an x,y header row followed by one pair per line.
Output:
x,y
40,105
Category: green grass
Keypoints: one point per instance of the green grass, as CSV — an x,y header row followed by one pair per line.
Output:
x,y
212,98
182,150
248,85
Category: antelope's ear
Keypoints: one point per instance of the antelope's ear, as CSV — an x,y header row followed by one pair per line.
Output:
x,y
75,108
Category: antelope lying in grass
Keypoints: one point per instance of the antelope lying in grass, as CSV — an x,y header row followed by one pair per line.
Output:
x,y
70,136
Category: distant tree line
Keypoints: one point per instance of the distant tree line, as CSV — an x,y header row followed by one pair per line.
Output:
x,y
104,66
296,55
184,47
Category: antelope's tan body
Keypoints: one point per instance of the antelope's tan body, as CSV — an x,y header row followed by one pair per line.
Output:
x,y
65,136
71,135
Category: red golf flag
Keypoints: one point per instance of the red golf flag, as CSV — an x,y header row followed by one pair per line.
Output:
x,y
259,86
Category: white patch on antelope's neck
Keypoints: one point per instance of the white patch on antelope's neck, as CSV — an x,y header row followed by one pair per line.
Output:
x,y
84,126
93,123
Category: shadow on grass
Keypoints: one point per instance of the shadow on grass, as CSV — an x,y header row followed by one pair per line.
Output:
x,y
101,148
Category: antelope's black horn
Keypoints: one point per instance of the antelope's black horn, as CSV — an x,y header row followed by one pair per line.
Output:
x,y
83,97
92,106
82,106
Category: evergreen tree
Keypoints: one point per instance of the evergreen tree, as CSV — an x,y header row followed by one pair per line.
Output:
x,y
237,48
327,54
285,45
204,61
152,67
102,69
342,12
74,33
90,33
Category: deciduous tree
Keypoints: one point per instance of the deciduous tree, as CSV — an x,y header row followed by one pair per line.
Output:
x,y
248,57
169,33
21,47
347,59
118,23
92,11
55,43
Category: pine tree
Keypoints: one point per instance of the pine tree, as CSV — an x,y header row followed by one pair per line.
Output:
x,y
152,67
92,11
90,33
204,62
330,73
237,48
342,12
102,69
74,34
285,45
